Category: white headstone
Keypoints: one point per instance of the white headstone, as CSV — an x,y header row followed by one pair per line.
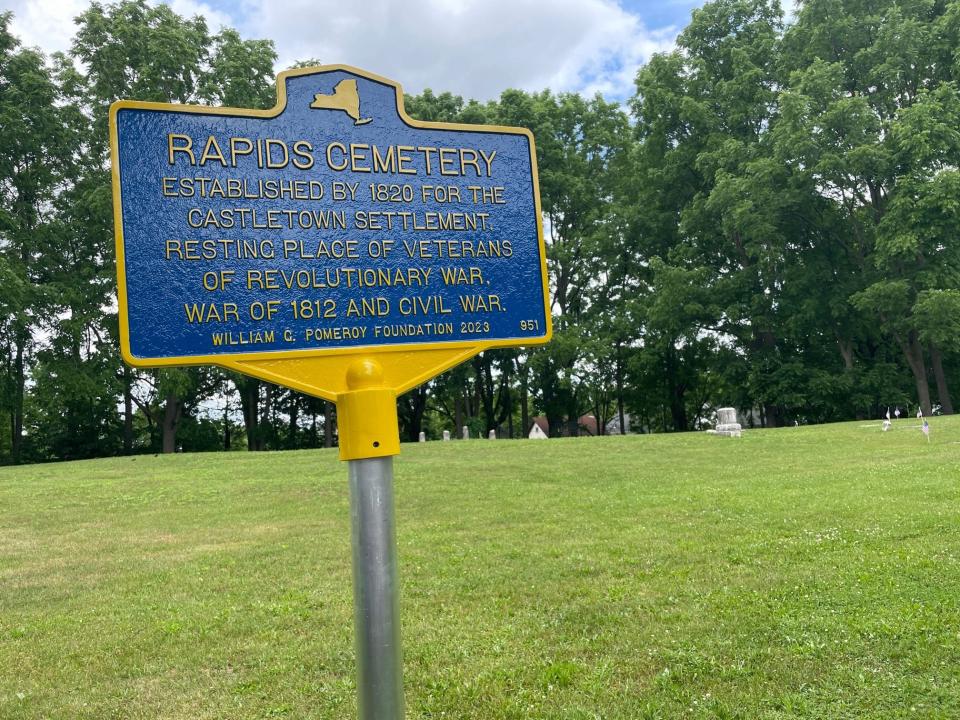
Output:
x,y
446,434
727,422
726,416
466,433
536,433
423,436
492,435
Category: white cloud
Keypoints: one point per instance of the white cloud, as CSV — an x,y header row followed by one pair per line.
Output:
x,y
48,24
188,8
475,48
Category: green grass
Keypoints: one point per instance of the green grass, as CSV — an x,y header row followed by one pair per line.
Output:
x,y
794,573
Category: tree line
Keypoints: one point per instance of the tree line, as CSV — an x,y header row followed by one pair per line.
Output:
x,y
768,222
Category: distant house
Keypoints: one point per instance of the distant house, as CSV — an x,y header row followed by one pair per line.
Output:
x,y
543,423
536,433
586,425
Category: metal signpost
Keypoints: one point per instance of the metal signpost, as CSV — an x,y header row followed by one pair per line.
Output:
x,y
335,246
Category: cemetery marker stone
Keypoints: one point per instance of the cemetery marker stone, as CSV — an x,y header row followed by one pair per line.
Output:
x,y
727,423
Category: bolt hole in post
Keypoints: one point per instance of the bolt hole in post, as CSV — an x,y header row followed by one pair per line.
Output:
x,y
376,444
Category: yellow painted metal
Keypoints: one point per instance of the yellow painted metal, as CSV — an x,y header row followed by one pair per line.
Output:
x,y
367,413
326,375
364,389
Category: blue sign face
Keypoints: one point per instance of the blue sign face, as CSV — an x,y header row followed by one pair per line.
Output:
x,y
330,223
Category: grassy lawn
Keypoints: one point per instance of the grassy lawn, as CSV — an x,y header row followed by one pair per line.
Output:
x,y
793,573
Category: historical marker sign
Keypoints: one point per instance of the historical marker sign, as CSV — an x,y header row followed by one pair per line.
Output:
x,y
335,246
331,225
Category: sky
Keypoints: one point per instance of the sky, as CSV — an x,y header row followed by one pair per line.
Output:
x,y
473,48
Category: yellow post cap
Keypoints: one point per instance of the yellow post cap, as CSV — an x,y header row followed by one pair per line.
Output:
x,y
367,413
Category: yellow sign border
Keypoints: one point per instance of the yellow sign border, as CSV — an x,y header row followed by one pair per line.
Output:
x,y
242,362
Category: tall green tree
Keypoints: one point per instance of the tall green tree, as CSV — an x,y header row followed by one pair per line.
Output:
x,y
37,147
868,117
705,111
240,72
578,142
134,50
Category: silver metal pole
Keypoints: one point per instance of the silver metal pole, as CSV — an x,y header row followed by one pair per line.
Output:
x,y
376,600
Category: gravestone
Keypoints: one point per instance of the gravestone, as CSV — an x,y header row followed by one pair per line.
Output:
x,y
446,435
492,435
536,433
466,433
727,423
423,436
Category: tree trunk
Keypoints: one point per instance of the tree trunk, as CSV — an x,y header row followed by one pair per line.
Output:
x,y
524,407
172,411
488,401
936,359
619,376
678,409
226,426
573,415
250,404
913,352
766,342
266,425
772,415
458,414
678,393
294,412
328,425
505,400
484,389
846,352
417,410
127,411
16,417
